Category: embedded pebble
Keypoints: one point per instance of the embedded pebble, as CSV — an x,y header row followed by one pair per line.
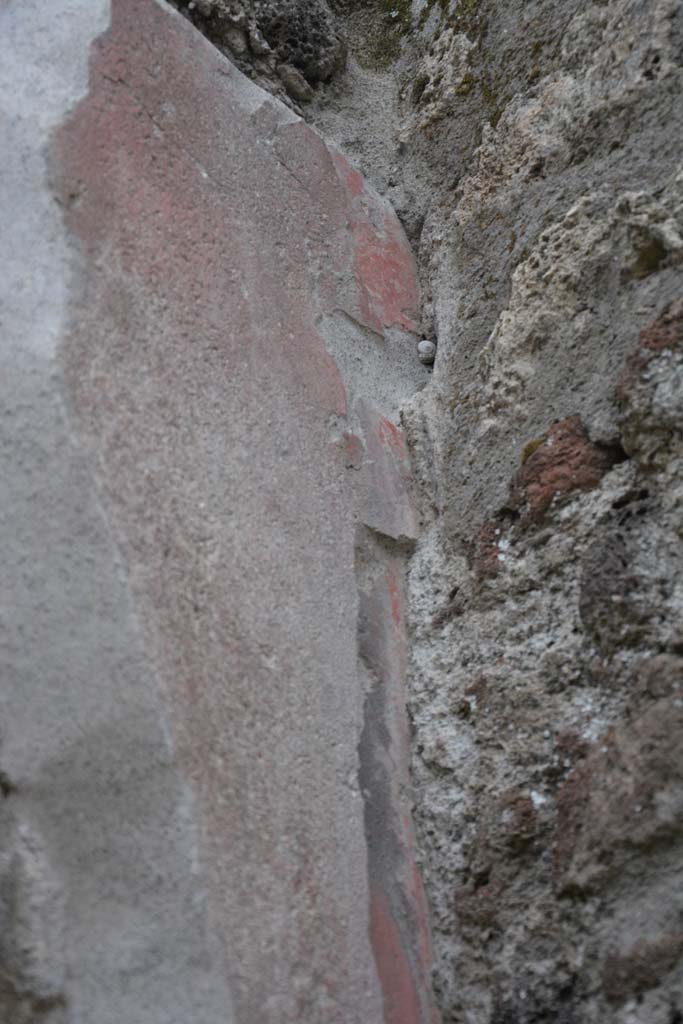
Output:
x,y
426,351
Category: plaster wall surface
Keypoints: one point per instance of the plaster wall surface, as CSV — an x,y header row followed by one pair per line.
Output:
x,y
102,908
208,503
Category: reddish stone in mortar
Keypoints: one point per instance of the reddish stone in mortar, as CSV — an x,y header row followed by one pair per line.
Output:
x,y
484,559
665,333
565,462
624,796
648,426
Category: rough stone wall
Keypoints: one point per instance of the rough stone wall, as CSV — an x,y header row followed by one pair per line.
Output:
x,y
287,46
546,689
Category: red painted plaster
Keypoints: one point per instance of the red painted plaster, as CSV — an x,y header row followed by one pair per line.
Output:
x,y
401,1003
384,263
214,235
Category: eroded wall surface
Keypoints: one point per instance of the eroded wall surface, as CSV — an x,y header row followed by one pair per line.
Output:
x,y
208,327
546,594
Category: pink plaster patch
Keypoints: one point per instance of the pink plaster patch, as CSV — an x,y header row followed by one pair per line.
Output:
x,y
394,598
401,1003
211,253
392,436
383,262
350,177
388,503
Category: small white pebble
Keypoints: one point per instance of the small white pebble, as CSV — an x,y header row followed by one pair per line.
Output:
x,y
426,351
